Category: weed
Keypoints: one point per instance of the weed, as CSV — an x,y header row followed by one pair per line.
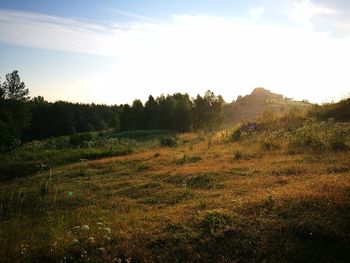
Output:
x,y
238,155
213,223
188,159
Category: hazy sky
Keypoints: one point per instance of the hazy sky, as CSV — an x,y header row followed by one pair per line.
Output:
x,y
114,51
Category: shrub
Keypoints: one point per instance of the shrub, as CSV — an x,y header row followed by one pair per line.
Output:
x,y
338,141
270,142
236,135
214,222
168,142
79,139
320,136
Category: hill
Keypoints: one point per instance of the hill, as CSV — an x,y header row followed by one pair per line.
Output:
x,y
250,107
339,111
279,193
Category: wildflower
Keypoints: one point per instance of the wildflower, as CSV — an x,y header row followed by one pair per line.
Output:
x,y
99,224
76,228
107,229
75,241
101,249
90,239
85,227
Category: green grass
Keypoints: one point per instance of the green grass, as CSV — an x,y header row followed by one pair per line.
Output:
x,y
43,155
234,201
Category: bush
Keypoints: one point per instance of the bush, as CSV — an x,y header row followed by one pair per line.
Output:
x,y
270,141
338,141
79,139
320,136
236,135
214,222
168,142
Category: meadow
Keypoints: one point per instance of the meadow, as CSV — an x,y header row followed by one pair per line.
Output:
x,y
274,191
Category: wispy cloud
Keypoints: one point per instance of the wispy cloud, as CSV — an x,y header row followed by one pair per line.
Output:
x,y
128,14
305,10
51,32
194,53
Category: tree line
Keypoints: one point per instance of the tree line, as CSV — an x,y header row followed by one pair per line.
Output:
x,y
23,118
176,112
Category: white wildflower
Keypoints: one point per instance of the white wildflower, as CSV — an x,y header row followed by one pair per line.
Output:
x,y
90,239
75,241
107,229
85,227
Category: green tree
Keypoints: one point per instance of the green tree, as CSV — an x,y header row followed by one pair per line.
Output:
x,y
2,92
183,113
14,111
208,111
137,115
166,111
151,110
14,88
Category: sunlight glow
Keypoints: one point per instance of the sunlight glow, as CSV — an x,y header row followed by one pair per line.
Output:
x,y
192,53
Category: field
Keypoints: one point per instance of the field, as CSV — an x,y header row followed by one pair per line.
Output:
x,y
224,196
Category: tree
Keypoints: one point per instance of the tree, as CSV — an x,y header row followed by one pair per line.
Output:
x,y
166,111
183,114
208,111
136,115
14,88
14,111
2,93
151,110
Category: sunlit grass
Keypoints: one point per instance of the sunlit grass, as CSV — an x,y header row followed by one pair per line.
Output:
x,y
197,201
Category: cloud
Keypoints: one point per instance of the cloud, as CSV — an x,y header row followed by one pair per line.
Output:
x,y
256,12
51,32
128,14
191,54
305,10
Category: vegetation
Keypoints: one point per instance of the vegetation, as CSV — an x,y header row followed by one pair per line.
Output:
x,y
275,189
37,156
22,119
252,106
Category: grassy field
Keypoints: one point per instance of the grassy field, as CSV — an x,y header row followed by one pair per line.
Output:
x,y
220,197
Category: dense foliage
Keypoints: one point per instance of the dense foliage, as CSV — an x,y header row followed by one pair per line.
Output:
x,y
22,118
176,112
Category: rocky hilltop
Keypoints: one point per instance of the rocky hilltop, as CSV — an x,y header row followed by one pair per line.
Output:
x,y
250,107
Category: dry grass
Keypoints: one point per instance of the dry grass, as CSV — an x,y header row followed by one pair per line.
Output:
x,y
197,202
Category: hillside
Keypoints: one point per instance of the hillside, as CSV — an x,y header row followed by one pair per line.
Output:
x,y
279,193
339,111
250,107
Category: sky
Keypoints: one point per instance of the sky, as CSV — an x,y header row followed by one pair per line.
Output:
x,y
114,51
